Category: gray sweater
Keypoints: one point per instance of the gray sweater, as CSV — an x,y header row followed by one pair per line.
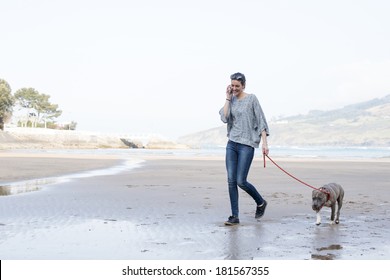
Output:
x,y
245,121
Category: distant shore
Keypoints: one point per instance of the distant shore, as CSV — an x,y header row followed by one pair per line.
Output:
x,y
40,138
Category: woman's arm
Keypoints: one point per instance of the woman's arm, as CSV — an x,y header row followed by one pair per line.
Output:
x,y
225,111
226,108
229,96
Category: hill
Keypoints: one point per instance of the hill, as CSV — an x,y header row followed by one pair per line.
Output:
x,y
361,124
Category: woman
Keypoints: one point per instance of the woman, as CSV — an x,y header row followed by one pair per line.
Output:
x,y
246,127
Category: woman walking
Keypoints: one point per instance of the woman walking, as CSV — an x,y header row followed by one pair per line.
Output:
x,y
246,127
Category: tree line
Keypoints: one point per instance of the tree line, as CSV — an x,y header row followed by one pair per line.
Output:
x,y
37,110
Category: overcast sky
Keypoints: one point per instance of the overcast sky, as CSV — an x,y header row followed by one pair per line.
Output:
x,y
162,67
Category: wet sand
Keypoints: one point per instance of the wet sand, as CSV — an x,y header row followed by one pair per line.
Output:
x,y
171,208
27,166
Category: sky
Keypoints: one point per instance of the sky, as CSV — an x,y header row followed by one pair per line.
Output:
x,y
162,67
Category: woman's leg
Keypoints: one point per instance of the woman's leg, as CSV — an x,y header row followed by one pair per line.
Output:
x,y
244,161
231,167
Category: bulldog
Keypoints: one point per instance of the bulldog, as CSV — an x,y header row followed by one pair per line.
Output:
x,y
327,196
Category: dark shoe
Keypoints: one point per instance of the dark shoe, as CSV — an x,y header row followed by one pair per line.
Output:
x,y
260,210
232,221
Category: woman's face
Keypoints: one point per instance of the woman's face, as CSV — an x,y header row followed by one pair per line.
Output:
x,y
237,87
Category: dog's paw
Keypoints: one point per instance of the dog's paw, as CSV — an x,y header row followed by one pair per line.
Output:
x,y
317,224
337,222
332,222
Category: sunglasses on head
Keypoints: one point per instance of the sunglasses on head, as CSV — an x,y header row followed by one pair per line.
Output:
x,y
237,76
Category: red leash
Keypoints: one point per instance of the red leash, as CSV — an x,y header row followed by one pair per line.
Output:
x,y
310,186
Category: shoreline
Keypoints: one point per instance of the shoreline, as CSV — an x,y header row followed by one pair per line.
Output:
x,y
41,138
17,165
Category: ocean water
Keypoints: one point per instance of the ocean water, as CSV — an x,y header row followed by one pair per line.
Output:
x,y
332,152
293,152
275,151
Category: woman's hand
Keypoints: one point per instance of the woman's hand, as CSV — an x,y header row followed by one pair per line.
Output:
x,y
265,144
229,92
265,149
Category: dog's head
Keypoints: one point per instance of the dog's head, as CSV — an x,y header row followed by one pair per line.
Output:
x,y
318,200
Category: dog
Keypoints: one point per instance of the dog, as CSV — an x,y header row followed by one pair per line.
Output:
x,y
327,196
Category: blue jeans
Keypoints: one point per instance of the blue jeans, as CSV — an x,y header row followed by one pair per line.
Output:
x,y
238,162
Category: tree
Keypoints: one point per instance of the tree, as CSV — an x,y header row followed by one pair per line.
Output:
x,y
7,102
46,111
70,126
38,106
28,98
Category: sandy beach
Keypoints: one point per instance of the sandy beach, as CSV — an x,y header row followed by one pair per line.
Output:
x,y
174,208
